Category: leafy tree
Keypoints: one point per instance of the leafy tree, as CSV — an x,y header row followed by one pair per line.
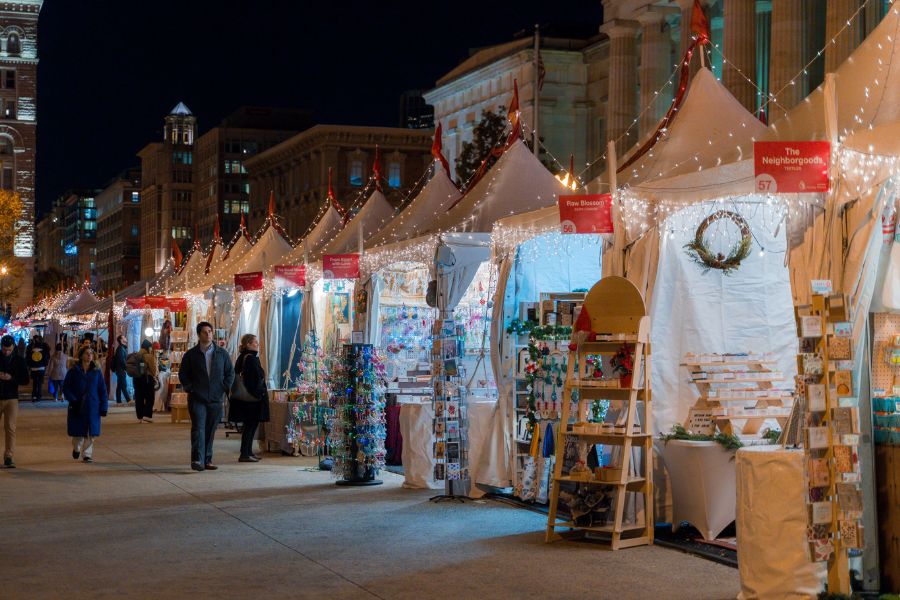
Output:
x,y
12,269
49,281
488,134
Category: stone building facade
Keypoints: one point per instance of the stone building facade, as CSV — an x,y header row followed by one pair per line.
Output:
x,y
18,122
119,232
296,170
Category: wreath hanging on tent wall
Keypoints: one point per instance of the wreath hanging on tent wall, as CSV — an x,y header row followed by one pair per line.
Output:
x,y
706,258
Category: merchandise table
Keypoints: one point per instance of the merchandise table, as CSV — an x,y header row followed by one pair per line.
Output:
x,y
161,396
703,485
416,430
773,558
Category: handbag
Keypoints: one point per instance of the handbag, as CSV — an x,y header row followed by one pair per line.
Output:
x,y
239,390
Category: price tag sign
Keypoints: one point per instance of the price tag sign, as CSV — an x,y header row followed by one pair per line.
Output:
x,y
340,266
249,282
791,167
290,276
585,213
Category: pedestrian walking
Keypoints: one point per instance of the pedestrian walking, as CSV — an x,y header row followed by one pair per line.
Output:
x,y
118,367
13,373
20,347
37,356
85,390
206,374
249,405
145,382
56,371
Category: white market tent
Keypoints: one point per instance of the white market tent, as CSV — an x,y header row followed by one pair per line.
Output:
x,y
329,224
221,269
375,213
192,269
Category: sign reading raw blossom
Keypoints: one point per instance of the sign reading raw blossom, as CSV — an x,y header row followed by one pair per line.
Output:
x,y
177,304
288,276
160,302
585,213
249,282
340,266
791,167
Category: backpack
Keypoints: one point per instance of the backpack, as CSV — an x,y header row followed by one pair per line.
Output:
x,y
134,365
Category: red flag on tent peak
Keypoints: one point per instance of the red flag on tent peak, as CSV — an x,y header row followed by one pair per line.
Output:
x,y
437,149
243,222
376,168
332,200
272,203
699,23
513,111
176,254
196,237
217,236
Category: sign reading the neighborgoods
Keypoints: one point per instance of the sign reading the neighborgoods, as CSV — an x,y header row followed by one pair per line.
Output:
x,y
177,304
249,282
791,167
289,276
585,213
340,266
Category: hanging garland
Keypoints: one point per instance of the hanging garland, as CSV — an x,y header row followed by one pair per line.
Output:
x,y
706,258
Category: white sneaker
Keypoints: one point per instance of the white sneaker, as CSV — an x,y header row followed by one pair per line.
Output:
x,y
148,420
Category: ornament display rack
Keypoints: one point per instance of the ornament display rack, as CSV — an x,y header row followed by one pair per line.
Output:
x,y
450,424
736,387
829,417
618,316
307,427
540,356
356,430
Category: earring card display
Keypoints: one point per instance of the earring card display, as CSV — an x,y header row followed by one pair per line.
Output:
x,y
450,426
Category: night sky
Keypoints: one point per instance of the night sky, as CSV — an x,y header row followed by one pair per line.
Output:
x,y
110,70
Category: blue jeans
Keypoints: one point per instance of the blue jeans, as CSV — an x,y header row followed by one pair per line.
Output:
x,y
122,386
204,421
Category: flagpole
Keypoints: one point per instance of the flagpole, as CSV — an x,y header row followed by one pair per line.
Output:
x,y
536,139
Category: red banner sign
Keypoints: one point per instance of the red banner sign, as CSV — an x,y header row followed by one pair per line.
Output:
x,y
178,304
585,213
287,276
173,304
136,302
156,302
791,167
249,281
340,266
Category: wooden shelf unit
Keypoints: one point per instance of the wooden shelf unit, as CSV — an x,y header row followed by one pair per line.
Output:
x,y
615,306
743,371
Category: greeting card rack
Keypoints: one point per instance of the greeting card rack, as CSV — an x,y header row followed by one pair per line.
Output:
x,y
357,431
617,319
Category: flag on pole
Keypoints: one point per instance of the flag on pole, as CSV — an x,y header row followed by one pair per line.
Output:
x,y
437,149
376,169
217,235
699,23
332,199
513,111
271,203
176,254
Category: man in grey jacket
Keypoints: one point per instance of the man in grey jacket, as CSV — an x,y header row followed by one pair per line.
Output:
x,y
206,374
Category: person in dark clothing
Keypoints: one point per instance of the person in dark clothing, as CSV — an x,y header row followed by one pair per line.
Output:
x,y
13,373
145,384
118,366
251,414
37,355
206,374
20,347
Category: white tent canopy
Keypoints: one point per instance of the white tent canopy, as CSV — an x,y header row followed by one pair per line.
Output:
x,y
371,218
193,268
517,183
324,230
82,303
270,247
221,269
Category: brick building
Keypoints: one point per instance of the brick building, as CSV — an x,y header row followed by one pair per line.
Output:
x,y
119,231
296,170
18,121
167,191
222,185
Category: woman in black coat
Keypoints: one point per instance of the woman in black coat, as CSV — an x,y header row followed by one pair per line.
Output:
x,y
251,414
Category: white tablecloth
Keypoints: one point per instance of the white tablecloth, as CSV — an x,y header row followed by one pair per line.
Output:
x,y
703,485
161,399
417,429
773,560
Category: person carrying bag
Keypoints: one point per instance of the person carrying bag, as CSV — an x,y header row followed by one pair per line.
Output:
x,y
248,401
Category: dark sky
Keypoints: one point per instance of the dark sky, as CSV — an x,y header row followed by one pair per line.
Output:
x,y
110,70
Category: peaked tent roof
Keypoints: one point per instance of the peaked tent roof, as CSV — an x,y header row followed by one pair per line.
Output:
x,y
430,203
221,269
371,218
84,302
710,129
867,88
326,227
517,183
270,248
193,270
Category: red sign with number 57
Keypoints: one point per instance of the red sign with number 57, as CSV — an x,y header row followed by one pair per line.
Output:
x,y
791,167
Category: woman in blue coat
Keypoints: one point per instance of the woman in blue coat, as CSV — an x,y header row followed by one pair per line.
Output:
x,y
85,391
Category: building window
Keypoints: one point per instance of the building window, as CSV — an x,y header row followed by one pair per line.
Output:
x,y
8,178
9,109
356,172
13,44
6,146
394,175
181,157
9,79
181,233
134,231
135,197
234,167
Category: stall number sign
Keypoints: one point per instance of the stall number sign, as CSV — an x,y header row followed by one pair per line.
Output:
x,y
585,213
791,167
249,282
340,266
288,276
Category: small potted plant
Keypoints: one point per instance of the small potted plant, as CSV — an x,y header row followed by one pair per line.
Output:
x,y
622,363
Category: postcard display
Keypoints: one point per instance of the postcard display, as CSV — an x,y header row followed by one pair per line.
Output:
x,y
737,391
357,428
451,453
830,422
